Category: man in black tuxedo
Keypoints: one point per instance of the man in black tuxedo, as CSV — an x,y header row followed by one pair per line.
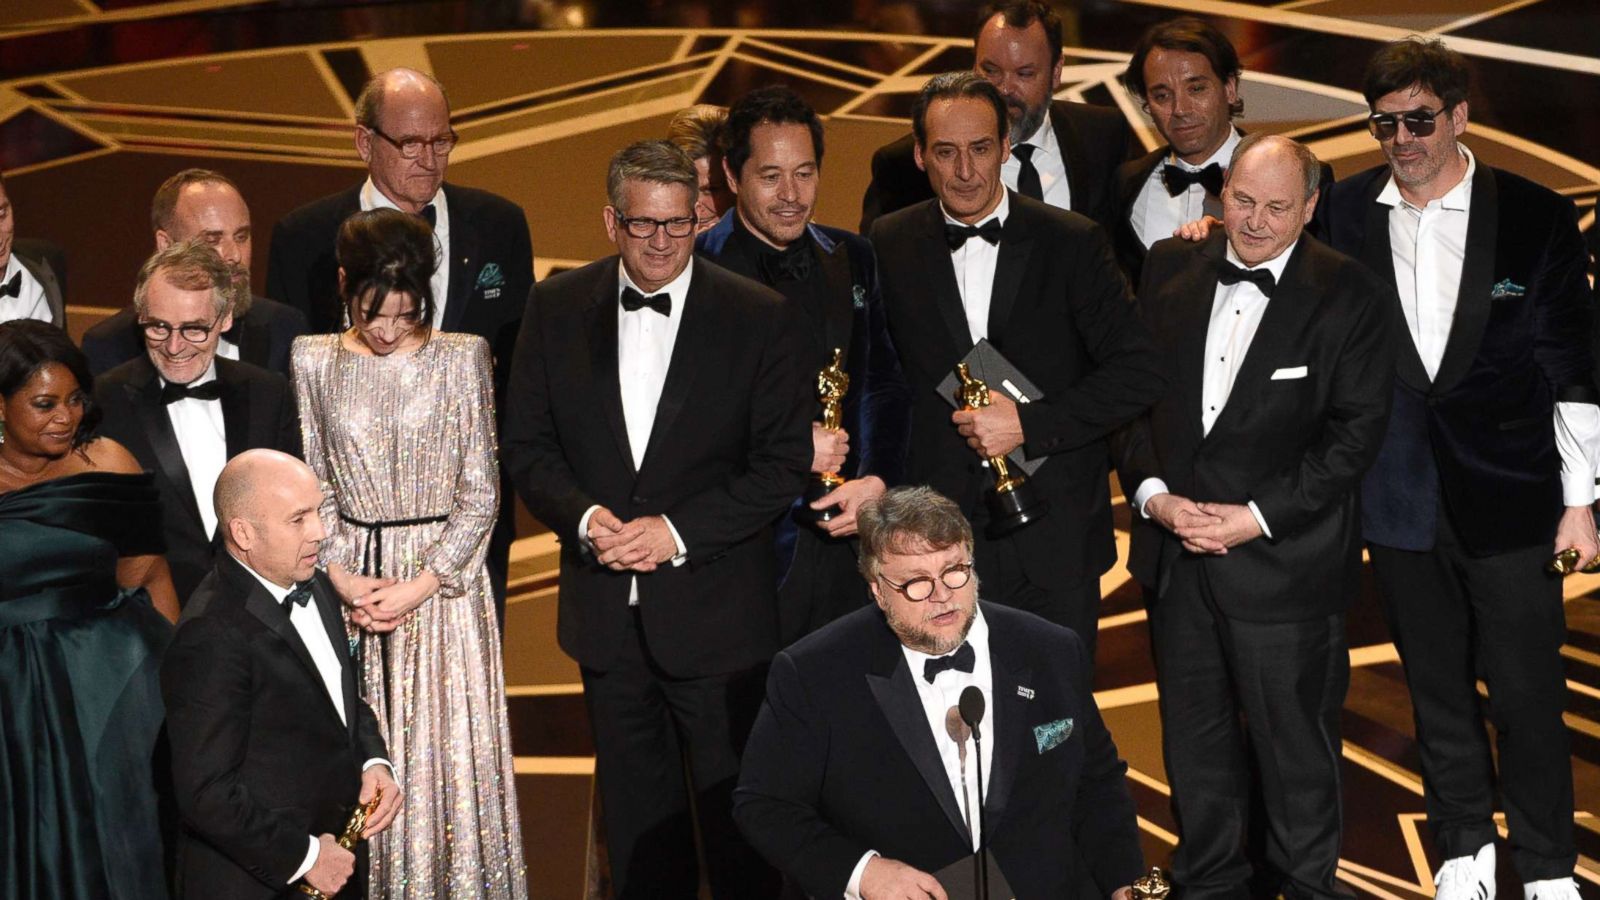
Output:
x,y
181,409
1062,152
846,806
659,423
28,285
403,133
773,161
272,747
199,204
1487,467
1245,477
1040,284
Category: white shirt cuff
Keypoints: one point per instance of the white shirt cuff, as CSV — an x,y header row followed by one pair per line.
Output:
x,y
1260,519
852,889
583,528
1147,489
378,761
682,555
311,860
1578,442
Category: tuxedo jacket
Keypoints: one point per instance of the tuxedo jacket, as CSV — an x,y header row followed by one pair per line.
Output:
x,y
1301,426
261,758
876,412
842,760
42,272
1130,179
1481,434
491,265
257,412
729,451
1061,312
263,334
1094,140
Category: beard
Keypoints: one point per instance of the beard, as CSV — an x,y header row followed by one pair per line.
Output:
x,y
913,635
1025,121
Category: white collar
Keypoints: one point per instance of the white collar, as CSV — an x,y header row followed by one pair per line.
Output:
x,y
1001,211
373,198
1044,137
677,288
1458,198
977,636
278,593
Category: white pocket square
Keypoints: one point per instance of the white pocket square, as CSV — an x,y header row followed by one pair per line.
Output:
x,y
1289,374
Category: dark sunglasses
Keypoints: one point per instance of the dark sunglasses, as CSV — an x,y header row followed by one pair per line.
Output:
x,y
1420,122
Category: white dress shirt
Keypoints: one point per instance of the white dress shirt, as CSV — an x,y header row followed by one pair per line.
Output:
x,y
937,698
1156,213
1236,311
30,302
372,198
203,443
307,622
1049,160
974,263
1429,246
645,339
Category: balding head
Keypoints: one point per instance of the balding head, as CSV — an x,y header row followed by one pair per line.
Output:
x,y
266,502
1268,196
400,112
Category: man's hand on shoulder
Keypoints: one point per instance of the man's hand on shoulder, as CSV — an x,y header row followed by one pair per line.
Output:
x,y
891,879
333,868
1198,230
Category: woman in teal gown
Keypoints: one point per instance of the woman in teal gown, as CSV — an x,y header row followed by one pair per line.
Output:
x,y
81,582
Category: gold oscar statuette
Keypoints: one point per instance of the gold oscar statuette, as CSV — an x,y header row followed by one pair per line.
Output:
x,y
1015,501
1152,887
1566,562
832,384
350,837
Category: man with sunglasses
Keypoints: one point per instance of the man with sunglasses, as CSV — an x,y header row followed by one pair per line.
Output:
x,y
403,133
182,409
857,783
1486,469
659,422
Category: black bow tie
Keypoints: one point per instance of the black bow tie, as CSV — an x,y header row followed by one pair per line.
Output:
x,y
632,301
1230,274
957,235
430,215
790,264
172,393
962,661
299,595
12,288
1177,179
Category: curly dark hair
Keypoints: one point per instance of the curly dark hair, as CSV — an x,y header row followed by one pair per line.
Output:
x,y
382,252
28,345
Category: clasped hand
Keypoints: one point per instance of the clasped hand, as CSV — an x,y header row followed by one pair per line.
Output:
x,y
380,605
638,545
993,430
1205,528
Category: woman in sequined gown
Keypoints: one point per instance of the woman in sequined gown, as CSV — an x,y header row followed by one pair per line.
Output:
x,y
399,421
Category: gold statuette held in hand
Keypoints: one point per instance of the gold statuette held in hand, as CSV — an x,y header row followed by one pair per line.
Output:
x,y
350,837
1153,886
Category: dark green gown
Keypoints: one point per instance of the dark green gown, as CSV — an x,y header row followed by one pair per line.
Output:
x,y
80,699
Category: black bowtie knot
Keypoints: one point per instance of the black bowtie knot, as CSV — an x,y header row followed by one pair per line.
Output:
x,y
1178,179
12,288
632,301
962,661
430,215
957,235
299,595
1230,274
792,263
172,393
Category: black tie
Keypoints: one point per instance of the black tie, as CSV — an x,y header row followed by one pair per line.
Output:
x,y
1028,178
299,595
172,393
1230,274
961,661
793,263
12,288
632,301
1177,179
956,235
430,215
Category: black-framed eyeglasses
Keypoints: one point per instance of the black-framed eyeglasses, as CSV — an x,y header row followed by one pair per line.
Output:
x,y
919,589
158,331
645,228
1420,122
411,147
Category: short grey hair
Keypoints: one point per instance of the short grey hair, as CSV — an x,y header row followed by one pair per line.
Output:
x,y
906,520
656,162
1310,166
369,103
191,266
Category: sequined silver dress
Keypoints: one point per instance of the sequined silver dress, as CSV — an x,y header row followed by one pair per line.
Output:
x,y
408,441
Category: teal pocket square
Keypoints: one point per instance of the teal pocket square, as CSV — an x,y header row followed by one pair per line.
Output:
x,y
1507,288
1048,735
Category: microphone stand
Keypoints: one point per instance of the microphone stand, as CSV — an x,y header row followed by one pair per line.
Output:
x,y
981,858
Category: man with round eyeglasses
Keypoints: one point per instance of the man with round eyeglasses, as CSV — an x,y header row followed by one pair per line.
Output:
x,y
184,411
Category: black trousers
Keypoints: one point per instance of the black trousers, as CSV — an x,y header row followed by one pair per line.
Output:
x,y
657,740
821,585
1234,691
1457,618
1002,578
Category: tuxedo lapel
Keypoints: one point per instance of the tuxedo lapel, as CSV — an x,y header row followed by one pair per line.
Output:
x,y
1193,320
254,339
144,395
1074,155
896,694
331,609
1291,306
235,409
839,310
601,321
1016,245
463,251
1010,723
1378,255
1477,279
943,292
271,613
694,348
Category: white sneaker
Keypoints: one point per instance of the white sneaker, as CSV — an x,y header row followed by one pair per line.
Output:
x,y
1471,878
1552,889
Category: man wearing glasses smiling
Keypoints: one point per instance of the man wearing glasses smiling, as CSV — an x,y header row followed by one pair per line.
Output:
x,y
1487,467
